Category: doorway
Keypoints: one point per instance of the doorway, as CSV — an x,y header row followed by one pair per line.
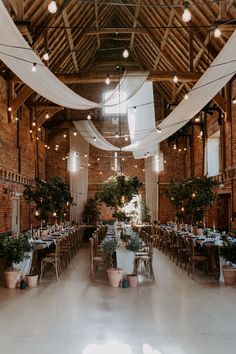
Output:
x,y
15,215
223,208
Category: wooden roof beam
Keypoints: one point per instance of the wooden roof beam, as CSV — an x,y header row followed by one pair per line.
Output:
x,y
92,32
96,21
25,93
41,119
137,11
90,77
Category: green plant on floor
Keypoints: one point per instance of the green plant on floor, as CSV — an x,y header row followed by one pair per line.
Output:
x,y
91,212
109,246
14,249
51,198
134,244
192,197
228,251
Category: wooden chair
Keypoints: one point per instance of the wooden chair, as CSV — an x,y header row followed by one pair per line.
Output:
x,y
143,259
195,258
95,261
53,259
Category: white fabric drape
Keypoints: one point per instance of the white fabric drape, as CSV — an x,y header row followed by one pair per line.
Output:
x,y
212,81
89,131
142,122
43,81
151,185
78,176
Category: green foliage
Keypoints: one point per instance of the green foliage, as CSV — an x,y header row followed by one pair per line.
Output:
x,y
49,197
91,212
118,190
13,249
120,215
145,213
192,197
134,244
228,251
109,245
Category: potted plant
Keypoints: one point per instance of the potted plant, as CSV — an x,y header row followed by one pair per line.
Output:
x,y
32,278
114,274
13,250
91,212
133,245
228,252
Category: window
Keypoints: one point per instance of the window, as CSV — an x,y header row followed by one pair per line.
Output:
x,y
118,108
212,165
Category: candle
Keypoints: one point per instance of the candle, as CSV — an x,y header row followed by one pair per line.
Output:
x,y
41,226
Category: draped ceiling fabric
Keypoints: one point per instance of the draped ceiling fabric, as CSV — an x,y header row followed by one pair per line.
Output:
x,y
142,122
89,131
43,81
222,69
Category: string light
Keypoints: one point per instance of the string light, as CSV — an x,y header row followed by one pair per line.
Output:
x,y
57,146
30,131
39,129
234,101
52,7
37,138
89,117
175,79
9,109
123,159
63,159
98,158
185,149
126,138
143,170
100,172
217,32
135,109
48,147
85,155
46,56
117,135
125,53
158,130
186,17
66,157
47,116
75,133
33,124
135,166
94,138
108,81
54,213
148,154
45,146
16,118
180,150
186,96
174,147
197,119
89,164
36,213
34,68
64,135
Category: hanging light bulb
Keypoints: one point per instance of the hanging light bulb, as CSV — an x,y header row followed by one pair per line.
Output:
x,y
45,146
89,117
234,101
135,166
174,147
86,155
46,115
98,158
158,130
108,81
186,96
31,131
100,172
126,138
52,7
34,68
175,79
185,149
46,56
39,129
36,213
145,156
33,124
37,138
75,133
217,32
16,118
186,17
48,147
9,109
125,53
123,159
57,146
117,135
197,119
94,138
64,135
54,213
135,109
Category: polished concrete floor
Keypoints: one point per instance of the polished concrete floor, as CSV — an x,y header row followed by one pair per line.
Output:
x,y
174,315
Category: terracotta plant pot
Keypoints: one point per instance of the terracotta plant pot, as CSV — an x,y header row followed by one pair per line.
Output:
x,y
32,280
229,275
133,280
114,276
11,279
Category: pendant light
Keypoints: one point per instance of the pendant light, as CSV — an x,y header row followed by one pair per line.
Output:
x,y
186,17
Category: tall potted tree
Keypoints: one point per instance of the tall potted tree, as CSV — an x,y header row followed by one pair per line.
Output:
x,y
14,250
114,274
228,252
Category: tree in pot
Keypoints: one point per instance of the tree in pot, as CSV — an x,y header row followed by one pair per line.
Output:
x,y
51,198
228,252
91,212
134,244
14,250
109,246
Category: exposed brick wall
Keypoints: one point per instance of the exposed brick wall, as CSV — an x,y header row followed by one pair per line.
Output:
x,y
18,161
